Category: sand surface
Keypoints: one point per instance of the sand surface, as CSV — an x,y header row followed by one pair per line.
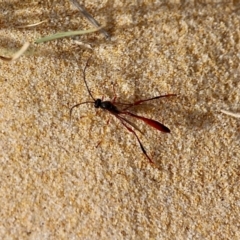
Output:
x,y
87,178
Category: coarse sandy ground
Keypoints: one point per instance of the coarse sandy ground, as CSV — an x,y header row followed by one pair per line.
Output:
x,y
88,178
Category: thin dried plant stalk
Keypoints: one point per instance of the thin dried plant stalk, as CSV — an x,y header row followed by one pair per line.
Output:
x,y
237,115
89,17
17,54
32,25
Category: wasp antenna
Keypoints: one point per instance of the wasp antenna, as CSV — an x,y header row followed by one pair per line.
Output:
x,y
76,105
84,78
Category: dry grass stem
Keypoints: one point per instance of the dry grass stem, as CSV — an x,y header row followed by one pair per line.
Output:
x,y
32,25
17,54
237,115
88,16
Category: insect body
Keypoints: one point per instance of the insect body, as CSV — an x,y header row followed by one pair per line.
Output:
x,y
120,114
107,105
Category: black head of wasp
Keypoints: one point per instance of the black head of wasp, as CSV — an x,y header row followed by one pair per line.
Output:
x,y
111,107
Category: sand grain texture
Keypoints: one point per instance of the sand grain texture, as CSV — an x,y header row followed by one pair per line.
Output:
x,y
56,184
